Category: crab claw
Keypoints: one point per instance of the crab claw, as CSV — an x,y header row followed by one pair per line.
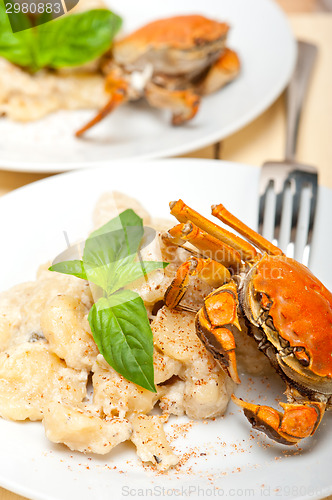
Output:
x,y
214,323
184,104
224,70
299,420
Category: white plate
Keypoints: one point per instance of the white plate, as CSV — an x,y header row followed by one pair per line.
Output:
x,y
261,35
237,461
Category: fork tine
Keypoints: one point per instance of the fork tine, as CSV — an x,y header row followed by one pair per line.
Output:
x,y
267,211
313,206
284,235
272,188
307,209
301,177
303,223
287,206
261,212
270,180
278,214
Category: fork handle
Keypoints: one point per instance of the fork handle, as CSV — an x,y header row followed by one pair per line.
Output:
x,y
296,92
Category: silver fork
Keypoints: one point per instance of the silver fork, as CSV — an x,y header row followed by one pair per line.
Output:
x,y
288,190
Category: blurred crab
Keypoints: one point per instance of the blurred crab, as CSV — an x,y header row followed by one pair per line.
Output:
x,y
171,63
276,299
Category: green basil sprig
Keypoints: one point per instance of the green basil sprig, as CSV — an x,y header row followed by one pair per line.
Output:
x,y
71,40
118,320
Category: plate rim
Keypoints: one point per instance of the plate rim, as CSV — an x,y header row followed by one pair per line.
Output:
x,y
112,164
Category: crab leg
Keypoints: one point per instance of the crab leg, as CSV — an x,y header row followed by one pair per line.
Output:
x,y
209,270
208,245
183,213
225,216
299,420
224,70
213,326
118,89
183,103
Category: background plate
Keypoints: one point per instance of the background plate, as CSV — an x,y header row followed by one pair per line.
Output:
x,y
235,460
260,34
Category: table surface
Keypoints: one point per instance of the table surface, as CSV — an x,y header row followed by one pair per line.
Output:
x,y
264,138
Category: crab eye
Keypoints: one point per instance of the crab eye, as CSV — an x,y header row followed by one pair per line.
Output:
x,y
301,355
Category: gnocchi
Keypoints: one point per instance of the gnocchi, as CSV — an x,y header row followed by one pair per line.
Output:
x,y
31,376
82,431
47,353
64,324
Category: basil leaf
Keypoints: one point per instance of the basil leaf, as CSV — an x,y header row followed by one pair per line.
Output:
x,y
75,39
18,48
122,332
125,272
109,253
136,270
110,249
73,267
128,231
71,40
119,321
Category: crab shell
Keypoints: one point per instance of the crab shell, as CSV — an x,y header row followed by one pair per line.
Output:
x,y
294,310
173,46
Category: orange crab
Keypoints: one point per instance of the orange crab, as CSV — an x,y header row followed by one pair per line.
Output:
x,y
278,300
171,63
